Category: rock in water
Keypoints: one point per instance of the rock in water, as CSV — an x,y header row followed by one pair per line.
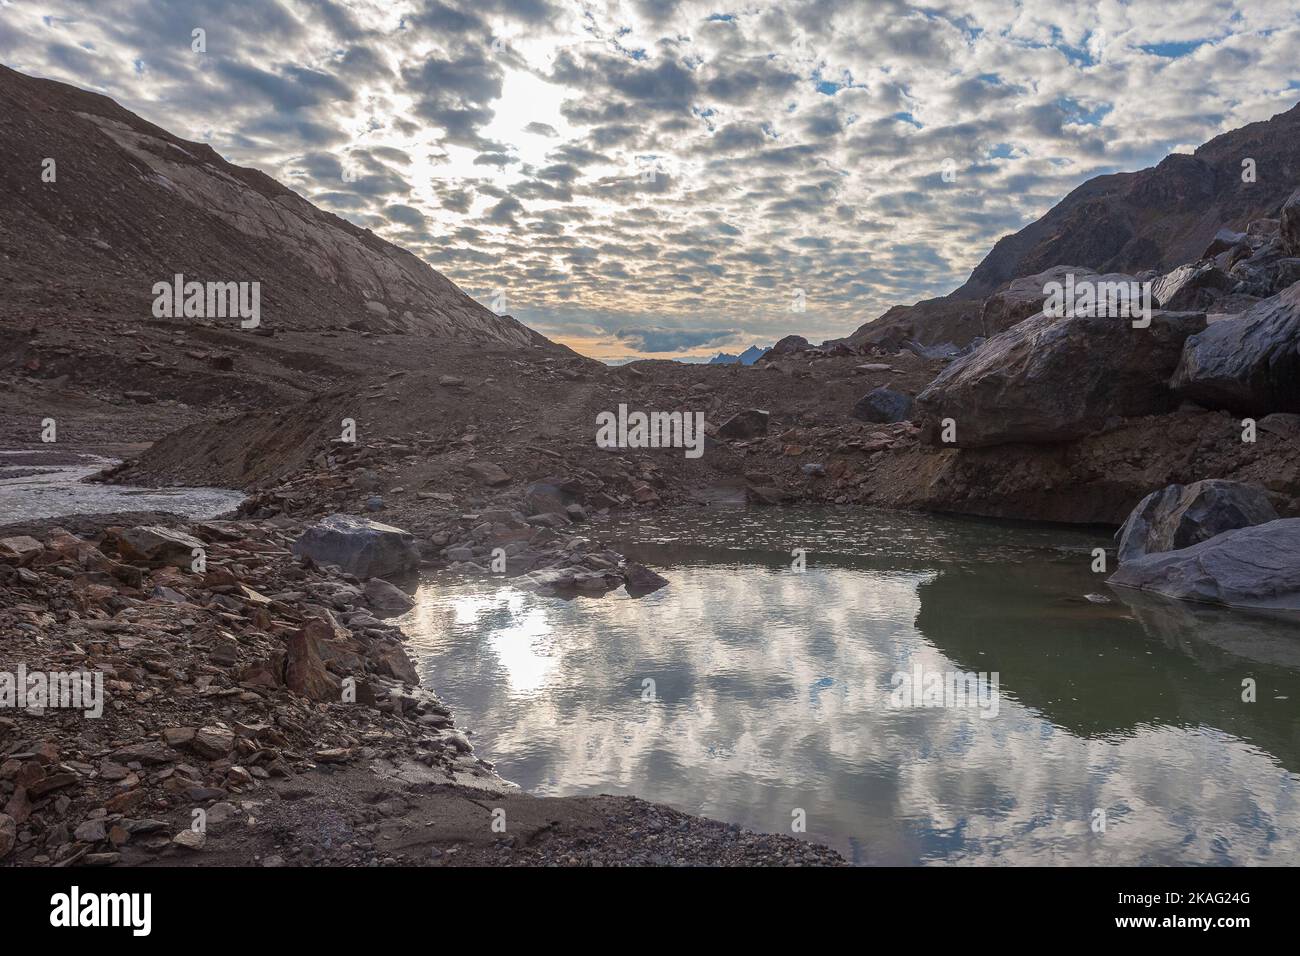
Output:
x,y
359,546
156,546
883,406
1249,364
745,425
1052,380
1180,516
1256,567
637,577
387,598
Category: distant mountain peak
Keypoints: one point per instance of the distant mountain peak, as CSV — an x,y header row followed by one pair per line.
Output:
x,y
747,357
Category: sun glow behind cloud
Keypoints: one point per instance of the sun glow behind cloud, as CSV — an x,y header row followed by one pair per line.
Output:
x,y
798,145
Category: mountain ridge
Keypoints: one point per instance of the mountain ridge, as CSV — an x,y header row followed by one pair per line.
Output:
x,y
1150,219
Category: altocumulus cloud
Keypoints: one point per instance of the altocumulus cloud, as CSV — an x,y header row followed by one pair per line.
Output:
x,y
640,176
670,340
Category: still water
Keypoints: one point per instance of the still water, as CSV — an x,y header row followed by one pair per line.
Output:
x,y
1120,734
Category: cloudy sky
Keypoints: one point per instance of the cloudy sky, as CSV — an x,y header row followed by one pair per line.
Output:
x,y
661,178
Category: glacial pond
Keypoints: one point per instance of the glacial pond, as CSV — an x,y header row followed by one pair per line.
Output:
x,y
754,693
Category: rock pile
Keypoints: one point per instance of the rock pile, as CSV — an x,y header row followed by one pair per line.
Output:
x,y
221,671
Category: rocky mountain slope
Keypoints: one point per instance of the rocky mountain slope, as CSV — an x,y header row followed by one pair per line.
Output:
x,y
1153,219
131,204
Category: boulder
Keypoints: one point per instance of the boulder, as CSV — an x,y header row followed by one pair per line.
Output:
x,y
883,406
789,345
20,550
157,546
304,671
1289,224
1250,364
213,742
1256,568
359,546
745,425
1056,379
1025,296
489,473
1223,241
386,598
767,495
639,578
548,497
1193,286
8,834
391,658
1180,516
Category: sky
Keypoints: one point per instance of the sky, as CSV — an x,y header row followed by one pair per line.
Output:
x,y
655,179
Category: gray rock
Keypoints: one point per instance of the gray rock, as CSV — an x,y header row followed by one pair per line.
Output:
x,y
1289,224
1250,364
1224,240
359,546
8,834
1193,286
92,831
1056,379
1180,516
745,425
789,345
941,350
544,497
157,546
489,473
639,578
883,406
1256,567
387,598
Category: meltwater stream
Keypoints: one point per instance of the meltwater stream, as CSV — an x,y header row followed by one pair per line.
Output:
x,y
49,483
1121,735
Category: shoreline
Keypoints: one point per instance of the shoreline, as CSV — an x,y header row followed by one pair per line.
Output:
x,y
209,754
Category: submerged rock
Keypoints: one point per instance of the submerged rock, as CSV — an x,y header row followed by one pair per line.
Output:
x,y
359,546
387,598
1180,516
1256,567
639,578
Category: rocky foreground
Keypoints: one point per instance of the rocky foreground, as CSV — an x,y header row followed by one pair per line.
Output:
x,y
257,709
